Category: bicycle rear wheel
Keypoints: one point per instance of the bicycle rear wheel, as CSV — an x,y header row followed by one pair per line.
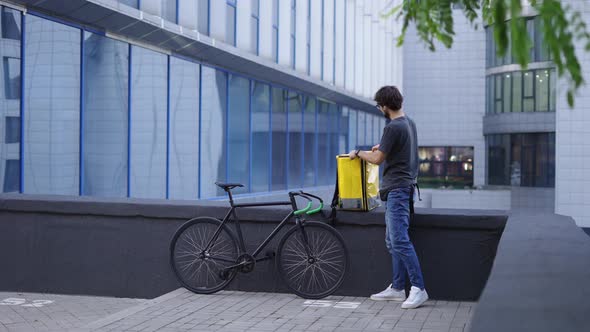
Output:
x,y
319,273
199,270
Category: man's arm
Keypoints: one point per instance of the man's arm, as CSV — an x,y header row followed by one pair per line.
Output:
x,y
374,157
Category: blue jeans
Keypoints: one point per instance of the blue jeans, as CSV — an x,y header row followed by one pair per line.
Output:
x,y
397,221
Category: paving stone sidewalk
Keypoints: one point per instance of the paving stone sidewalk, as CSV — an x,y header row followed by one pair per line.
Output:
x,y
182,310
28,312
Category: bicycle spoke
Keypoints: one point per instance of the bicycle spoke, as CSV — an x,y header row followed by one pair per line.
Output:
x,y
197,269
313,266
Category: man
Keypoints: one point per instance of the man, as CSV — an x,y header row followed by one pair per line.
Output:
x,y
399,150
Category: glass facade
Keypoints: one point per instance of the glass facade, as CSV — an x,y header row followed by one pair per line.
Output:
x,y
148,118
446,166
106,118
105,125
203,16
526,91
526,160
52,108
10,99
538,53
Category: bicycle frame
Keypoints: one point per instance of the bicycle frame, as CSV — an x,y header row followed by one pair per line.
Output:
x,y
232,211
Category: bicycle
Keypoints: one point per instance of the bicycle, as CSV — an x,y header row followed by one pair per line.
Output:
x,y
311,257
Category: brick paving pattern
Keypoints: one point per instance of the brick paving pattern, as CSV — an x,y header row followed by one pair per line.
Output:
x,y
182,310
47,312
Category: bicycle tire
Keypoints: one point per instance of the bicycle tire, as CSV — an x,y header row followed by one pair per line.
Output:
x,y
186,252
318,278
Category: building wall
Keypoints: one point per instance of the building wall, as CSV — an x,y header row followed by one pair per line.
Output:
x,y
572,182
106,117
444,92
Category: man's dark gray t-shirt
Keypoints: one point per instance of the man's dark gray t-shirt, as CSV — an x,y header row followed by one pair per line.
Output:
x,y
400,145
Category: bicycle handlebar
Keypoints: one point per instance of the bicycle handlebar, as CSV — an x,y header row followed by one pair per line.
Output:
x,y
307,210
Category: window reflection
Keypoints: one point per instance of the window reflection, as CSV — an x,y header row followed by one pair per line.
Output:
x,y
52,121
450,167
526,160
105,116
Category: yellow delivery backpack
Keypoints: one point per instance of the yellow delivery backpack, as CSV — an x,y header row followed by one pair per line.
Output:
x,y
357,185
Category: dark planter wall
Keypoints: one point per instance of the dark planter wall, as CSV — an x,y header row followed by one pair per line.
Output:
x,y
121,248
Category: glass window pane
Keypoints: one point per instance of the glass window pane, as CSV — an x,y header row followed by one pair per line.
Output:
x,y
230,29
552,89
323,145
362,120
275,13
254,35
213,130
517,91
295,164
489,94
498,159
203,17
352,130
10,128
11,23
528,92
333,143
132,3
498,91
169,10
530,27
184,130
542,90
105,116
11,77
507,90
238,120
52,127
343,115
148,124
11,176
541,49
255,7
260,137
275,41
279,139
310,143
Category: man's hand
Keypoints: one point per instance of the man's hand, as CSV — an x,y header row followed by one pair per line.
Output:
x,y
375,148
352,154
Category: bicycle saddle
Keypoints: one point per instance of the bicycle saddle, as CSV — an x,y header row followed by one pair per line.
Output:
x,y
228,186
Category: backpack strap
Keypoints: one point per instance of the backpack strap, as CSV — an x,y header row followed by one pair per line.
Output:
x,y
334,205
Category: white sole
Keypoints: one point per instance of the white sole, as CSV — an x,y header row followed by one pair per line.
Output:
x,y
415,305
387,299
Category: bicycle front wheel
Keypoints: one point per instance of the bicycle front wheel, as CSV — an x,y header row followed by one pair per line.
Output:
x,y
200,269
312,260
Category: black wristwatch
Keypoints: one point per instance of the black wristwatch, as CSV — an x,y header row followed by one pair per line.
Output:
x,y
357,152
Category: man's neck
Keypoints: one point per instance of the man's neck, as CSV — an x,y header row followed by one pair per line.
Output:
x,y
396,114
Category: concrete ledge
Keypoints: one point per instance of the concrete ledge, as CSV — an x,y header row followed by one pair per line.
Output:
x,y
539,280
75,245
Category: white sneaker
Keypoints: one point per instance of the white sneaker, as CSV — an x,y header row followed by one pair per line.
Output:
x,y
390,294
416,299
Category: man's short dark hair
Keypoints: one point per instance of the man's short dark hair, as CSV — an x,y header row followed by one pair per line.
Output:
x,y
389,96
